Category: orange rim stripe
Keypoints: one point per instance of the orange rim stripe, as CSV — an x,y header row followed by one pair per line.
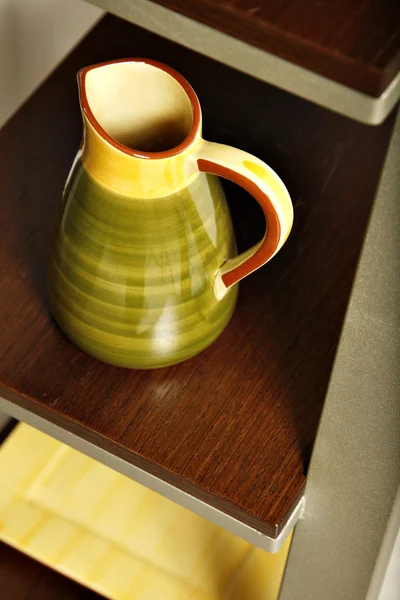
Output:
x,y
138,154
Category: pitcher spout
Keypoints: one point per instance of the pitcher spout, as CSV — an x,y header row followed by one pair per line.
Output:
x,y
141,122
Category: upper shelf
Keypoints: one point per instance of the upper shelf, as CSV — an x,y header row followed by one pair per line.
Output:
x,y
343,55
355,43
234,427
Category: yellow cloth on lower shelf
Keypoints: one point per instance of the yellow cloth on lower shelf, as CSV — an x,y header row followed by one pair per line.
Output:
x,y
118,537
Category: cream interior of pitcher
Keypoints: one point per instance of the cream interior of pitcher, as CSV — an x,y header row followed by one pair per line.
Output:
x,y
139,105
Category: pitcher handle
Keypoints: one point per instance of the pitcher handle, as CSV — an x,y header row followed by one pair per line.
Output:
x,y
270,192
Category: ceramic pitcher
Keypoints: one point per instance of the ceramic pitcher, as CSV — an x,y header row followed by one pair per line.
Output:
x,y
143,266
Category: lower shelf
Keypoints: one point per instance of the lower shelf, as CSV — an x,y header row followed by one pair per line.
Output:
x,y
22,578
117,537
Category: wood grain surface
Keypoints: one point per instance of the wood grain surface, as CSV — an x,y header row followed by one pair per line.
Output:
x,y
355,42
22,578
234,426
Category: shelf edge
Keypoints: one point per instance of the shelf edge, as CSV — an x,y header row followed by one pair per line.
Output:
x,y
207,511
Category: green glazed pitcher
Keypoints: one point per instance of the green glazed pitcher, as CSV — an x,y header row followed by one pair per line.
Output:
x,y
143,266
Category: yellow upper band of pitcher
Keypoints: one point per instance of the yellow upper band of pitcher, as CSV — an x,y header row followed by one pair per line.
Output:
x,y
129,175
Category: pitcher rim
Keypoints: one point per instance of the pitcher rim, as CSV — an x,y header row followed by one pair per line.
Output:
x,y
191,94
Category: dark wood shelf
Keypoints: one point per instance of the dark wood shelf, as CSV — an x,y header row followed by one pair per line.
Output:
x,y
355,43
235,426
22,578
